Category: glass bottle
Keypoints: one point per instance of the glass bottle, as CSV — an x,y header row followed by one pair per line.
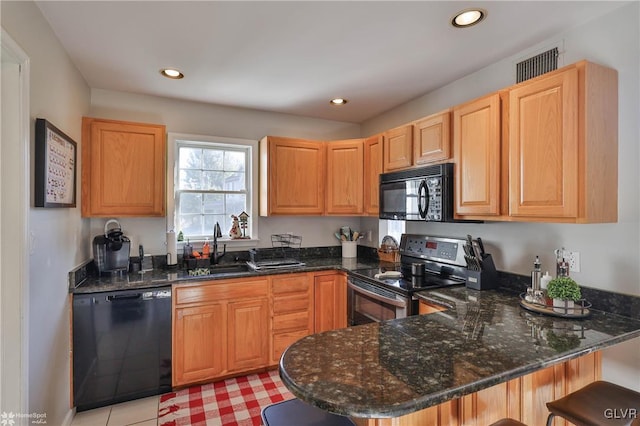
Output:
x,y
206,249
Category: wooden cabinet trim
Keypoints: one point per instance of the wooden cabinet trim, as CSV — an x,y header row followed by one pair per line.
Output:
x,y
207,291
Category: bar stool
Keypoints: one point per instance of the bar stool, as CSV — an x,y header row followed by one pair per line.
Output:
x,y
598,404
507,422
294,412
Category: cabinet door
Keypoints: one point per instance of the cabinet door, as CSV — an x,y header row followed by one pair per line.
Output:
x,y
248,334
372,170
123,168
432,138
199,343
345,164
543,147
398,147
330,302
476,145
292,176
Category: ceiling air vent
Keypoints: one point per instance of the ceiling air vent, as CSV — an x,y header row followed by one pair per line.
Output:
x,y
537,65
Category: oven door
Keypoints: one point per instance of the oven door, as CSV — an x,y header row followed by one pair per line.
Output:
x,y
367,303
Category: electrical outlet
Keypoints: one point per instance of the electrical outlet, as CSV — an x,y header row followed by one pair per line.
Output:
x,y
573,257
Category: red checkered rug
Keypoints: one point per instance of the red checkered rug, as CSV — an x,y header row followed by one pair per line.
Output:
x,y
236,401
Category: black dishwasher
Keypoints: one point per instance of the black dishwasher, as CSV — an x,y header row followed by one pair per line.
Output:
x,y
121,346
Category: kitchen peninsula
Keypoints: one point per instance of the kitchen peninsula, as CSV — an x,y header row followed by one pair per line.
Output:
x,y
481,359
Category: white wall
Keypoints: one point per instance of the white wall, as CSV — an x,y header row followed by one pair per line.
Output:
x,y
609,253
59,94
214,120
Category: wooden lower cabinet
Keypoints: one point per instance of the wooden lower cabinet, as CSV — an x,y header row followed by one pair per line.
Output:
x,y
292,307
522,399
219,328
248,335
199,342
330,301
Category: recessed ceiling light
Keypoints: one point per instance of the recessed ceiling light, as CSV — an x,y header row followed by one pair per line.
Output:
x,y
338,101
171,73
468,17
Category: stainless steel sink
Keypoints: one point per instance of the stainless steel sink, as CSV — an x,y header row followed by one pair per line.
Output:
x,y
229,269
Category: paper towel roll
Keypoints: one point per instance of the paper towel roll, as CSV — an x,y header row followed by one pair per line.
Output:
x,y
172,250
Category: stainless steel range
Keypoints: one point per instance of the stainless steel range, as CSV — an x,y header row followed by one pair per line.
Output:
x,y
384,293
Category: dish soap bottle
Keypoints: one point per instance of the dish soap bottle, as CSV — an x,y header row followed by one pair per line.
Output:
x,y
206,249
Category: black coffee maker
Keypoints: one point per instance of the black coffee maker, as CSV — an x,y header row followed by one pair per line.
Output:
x,y
111,250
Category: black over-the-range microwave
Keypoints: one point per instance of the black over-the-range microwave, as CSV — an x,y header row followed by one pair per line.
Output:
x,y
422,194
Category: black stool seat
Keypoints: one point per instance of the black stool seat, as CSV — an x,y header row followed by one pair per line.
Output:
x,y
297,413
507,422
598,404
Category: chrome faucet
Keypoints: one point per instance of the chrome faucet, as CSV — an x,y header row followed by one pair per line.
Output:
x,y
217,233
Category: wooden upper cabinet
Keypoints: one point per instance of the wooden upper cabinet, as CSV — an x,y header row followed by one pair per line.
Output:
x,y
543,147
398,148
123,168
345,164
563,141
292,176
432,138
476,147
372,170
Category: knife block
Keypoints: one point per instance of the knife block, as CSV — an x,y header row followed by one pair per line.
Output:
x,y
485,279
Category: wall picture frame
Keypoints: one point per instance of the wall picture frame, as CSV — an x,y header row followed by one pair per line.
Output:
x,y
55,166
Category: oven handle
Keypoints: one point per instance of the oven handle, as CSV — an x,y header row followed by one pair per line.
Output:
x,y
397,303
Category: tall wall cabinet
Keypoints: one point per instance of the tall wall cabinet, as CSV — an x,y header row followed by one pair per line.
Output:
x,y
123,168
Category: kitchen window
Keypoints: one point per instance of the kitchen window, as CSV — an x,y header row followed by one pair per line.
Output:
x,y
211,179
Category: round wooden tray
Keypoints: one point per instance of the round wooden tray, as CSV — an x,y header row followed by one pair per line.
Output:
x,y
581,309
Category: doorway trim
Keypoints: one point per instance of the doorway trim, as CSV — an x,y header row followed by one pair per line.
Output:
x,y
15,265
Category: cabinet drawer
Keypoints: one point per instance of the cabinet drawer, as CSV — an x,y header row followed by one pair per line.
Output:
x,y
290,284
295,320
282,340
293,303
221,290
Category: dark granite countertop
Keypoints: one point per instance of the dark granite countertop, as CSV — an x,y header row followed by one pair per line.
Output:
x,y
165,277
400,366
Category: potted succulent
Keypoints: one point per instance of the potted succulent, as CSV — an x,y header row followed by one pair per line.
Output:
x,y
564,291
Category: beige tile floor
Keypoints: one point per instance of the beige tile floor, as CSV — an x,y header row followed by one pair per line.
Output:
x,y
140,412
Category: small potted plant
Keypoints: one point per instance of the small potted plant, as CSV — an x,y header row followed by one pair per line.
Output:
x,y
564,291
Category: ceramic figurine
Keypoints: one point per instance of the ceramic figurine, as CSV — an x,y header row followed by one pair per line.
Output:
x,y
235,231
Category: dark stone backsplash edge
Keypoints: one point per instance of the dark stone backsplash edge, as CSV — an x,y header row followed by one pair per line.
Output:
x,y
602,300
616,303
